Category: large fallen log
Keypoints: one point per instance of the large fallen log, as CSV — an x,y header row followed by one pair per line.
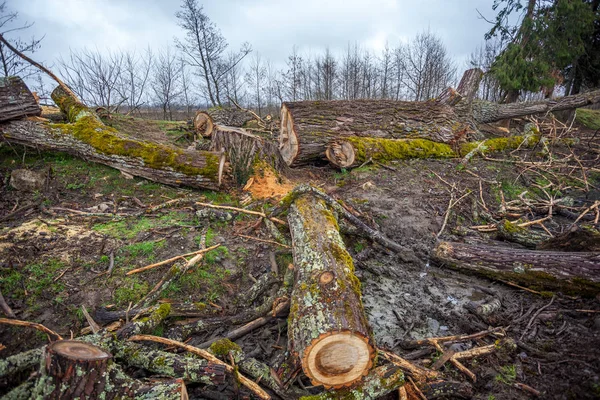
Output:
x,y
577,272
74,369
16,101
307,127
87,137
327,326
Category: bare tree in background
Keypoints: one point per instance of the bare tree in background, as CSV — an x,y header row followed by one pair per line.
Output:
x,y
292,78
166,82
255,78
326,72
187,92
233,82
13,65
134,79
429,67
483,57
95,77
400,69
204,48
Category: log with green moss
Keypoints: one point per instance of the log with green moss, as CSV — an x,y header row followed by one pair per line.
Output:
x,y
354,151
307,127
512,232
75,369
246,152
16,101
327,326
87,137
571,272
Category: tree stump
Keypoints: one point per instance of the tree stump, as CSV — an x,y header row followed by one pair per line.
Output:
x,y
204,124
74,369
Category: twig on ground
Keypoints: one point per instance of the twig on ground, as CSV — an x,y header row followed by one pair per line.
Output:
x,y
263,240
34,325
170,260
93,325
242,210
5,307
535,316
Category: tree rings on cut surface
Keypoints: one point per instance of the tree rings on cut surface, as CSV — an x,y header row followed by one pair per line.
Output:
x,y
203,123
326,277
341,153
78,351
338,359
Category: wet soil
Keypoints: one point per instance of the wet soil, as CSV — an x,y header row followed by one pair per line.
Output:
x,y
53,259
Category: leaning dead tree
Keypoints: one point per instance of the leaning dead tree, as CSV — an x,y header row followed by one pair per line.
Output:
x,y
336,130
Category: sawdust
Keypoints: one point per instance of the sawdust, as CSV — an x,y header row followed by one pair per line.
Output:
x,y
266,184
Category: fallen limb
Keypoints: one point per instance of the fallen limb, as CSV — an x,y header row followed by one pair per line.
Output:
x,y
191,310
16,101
242,210
574,272
20,362
145,325
170,260
5,307
206,355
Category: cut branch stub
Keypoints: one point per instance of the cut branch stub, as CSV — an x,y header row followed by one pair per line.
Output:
x,y
203,123
328,328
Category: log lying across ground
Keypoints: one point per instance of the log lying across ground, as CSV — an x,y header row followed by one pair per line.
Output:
x,y
313,130
16,101
87,137
327,326
307,127
354,151
245,151
577,272
75,369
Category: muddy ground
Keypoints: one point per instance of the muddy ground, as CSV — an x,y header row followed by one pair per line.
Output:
x,y
53,259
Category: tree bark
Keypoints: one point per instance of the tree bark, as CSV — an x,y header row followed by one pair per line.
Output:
x,y
16,101
74,369
307,127
229,116
570,271
327,326
96,142
486,112
245,151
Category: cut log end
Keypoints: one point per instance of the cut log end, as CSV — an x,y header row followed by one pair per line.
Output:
x,y
203,123
78,351
338,359
341,153
288,138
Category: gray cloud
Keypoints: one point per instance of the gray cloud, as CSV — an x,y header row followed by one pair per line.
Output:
x,y
271,26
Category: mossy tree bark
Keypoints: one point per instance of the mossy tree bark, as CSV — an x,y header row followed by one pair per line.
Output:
x,y
74,369
327,326
574,272
245,151
307,127
16,101
87,137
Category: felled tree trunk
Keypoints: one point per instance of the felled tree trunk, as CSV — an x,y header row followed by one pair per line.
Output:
x,y
229,116
244,150
87,137
74,369
204,124
327,326
573,271
307,127
16,101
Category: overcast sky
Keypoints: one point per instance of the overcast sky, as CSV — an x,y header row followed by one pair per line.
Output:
x,y
271,26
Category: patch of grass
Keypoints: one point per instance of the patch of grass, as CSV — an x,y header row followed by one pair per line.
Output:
x,y
37,280
588,118
219,198
142,249
507,375
132,291
359,246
